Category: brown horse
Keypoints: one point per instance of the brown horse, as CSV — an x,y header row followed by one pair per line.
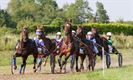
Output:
x,y
67,47
50,47
24,48
87,47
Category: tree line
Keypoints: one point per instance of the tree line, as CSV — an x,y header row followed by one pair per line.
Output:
x,y
47,12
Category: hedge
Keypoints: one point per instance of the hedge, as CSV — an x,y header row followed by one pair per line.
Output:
x,y
115,28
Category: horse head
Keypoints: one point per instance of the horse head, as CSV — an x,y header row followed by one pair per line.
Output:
x,y
40,30
80,32
25,34
67,29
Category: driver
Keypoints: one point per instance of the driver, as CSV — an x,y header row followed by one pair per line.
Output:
x,y
110,42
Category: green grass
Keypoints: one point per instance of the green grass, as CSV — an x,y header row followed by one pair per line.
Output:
x,y
124,73
5,58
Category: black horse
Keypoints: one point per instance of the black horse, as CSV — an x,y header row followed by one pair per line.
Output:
x,y
87,47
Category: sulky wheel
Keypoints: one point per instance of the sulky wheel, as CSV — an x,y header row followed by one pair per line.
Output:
x,y
108,60
120,60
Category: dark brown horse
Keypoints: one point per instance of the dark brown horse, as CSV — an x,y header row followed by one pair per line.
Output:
x,y
87,47
102,42
24,48
68,47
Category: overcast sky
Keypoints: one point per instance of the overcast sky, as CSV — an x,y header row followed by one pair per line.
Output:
x,y
116,9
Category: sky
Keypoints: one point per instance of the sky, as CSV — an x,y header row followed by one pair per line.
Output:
x,y
116,9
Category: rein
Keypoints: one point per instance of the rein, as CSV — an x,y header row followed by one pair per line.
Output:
x,y
100,46
82,42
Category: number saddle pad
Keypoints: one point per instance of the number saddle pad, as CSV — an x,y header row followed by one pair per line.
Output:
x,y
81,51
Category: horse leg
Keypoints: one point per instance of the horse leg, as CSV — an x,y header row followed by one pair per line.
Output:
x,y
77,70
59,61
82,61
72,60
91,62
65,61
52,62
23,65
35,61
89,65
64,67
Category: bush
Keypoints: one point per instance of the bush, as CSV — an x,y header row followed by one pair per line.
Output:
x,y
57,22
115,28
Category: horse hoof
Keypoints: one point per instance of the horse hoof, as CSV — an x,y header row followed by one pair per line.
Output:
x,y
52,72
34,67
15,67
35,70
78,70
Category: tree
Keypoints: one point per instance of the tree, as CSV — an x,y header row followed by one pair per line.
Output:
x,y
101,13
41,11
79,11
5,19
47,11
21,9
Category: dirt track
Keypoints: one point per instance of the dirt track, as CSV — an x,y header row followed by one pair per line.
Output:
x,y
45,74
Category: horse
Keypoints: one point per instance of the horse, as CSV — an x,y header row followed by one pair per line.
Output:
x,y
102,42
24,48
50,47
68,48
87,50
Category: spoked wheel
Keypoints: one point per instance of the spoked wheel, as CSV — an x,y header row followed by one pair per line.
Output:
x,y
108,60
12,67
120,60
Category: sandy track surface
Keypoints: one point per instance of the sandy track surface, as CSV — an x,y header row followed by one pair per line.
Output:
x,y
44,74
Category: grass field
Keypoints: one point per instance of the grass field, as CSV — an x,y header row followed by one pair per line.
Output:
x,y
124,73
